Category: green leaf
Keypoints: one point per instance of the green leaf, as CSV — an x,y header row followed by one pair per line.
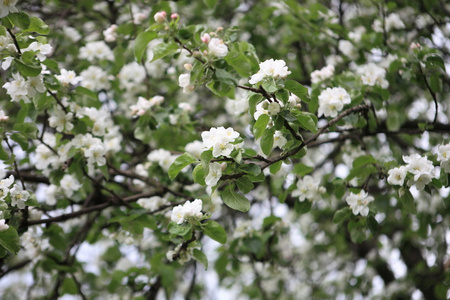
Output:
x,y
215,231
342,215
27,70
239,62
199,174
180,163
32,201
436,60
301,169
235,200
297,89
69,286
302,207
42,101
20,19
141,42
176,229
3,154
251,168
260,125
244,184
20,139
27,129
38,26
307,121
364,160
407,200
210,3
164,49
276,167
201,257
267,141
253,100
9,239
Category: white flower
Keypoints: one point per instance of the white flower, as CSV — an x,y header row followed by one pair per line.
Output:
x,y
110,33
322,74
308,188
195,148
131,75
359,203
139,17
279,140
6,7
163,157
71,33
371,75
214,174
332,100
276,69
184,81
217,47
220,139
443,155
4,186
421,168
152,203
347,48
60,120
96,155
68,77
397,176
183,213
18,196
160,17
96,50
95,78
69,185
42,49
267,108
3,226
17,89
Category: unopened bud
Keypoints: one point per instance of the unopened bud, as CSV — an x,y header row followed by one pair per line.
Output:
x,y
196,54
223,166
160,17
219,28
188,67
205,38
174,16
205,52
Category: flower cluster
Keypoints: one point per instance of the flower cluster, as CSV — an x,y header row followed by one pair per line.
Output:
x,y
371,75
421,168
217,48
275,69
24,89
221,140
188,211
332,100
359,203
322,74
145,104
96,50
267,108
308,188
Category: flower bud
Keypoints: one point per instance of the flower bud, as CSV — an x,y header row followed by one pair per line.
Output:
x,y
188,67
205,38
174,16
196,54
160,17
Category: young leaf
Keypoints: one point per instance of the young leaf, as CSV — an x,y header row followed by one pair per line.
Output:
x,y
215,231
267,141
260,125
342,215
9,239
297,89
141,42
180,163
307,122
201,257
235,200
176,229
20,19
164,49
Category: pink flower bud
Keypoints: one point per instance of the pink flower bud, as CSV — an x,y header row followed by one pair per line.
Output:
x,y
205,38
160,17
174,16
